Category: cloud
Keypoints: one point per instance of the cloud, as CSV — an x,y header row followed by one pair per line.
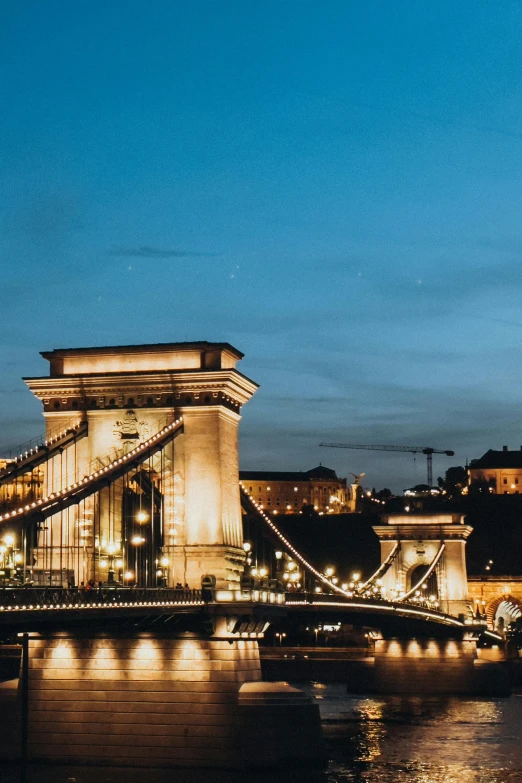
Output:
x,y
145,251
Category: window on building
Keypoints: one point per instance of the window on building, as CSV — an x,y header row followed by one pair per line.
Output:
x,y
250,489
516,480
504,481
278,502
268,502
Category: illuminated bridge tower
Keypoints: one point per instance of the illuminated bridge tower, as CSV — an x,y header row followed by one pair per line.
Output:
x,y
185,499
432,546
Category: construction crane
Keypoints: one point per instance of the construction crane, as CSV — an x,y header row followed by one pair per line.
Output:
x,y
427,450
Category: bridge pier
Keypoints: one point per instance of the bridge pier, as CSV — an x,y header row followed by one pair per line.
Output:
x,y
425,665
157,699
435,666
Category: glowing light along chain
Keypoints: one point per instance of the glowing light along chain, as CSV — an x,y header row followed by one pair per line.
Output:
x,y
382,568
48,442
292,549
97,473
426,575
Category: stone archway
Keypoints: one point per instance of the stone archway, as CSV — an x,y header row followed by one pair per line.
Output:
x,y
503,611
415,575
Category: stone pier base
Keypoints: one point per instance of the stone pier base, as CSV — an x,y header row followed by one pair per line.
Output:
x,y
157,701
430,666
278,723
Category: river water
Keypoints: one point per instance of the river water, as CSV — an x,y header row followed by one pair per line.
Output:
x,y
396,739
373,739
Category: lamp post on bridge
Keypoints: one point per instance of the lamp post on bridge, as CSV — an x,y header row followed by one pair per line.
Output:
x,y
111,555
10,560
136,542
161,571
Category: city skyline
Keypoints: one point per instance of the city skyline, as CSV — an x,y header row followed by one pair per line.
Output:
x,y
334,191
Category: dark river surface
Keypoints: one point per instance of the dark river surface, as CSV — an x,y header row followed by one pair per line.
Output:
x,y
372,739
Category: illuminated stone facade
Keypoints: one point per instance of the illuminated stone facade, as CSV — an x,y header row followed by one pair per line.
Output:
x,y
287,492
500,470
496,597
126,394
420,537
139,701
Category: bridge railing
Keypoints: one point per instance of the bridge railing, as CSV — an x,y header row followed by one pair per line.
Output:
x,y
322,598
24,598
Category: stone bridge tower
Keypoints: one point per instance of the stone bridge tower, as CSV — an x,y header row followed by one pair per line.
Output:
x,y
125,394
420,537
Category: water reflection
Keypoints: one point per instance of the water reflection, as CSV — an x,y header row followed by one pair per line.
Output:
x,y
52,774
421,740
370,740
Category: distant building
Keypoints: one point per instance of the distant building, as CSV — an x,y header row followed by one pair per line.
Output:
x,y
422,491
500,470
286,492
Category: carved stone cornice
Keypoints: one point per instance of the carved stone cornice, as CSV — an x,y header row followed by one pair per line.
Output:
x,y
423,531
144,389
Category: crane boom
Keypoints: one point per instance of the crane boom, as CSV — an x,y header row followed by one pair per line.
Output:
x,y
427,450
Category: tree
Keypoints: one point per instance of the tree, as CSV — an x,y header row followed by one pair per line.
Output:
x,y
384,494
454,482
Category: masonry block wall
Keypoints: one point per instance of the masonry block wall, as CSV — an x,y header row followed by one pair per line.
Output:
x,y
143,701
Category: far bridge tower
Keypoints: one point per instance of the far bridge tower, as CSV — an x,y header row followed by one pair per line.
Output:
x,y
426,539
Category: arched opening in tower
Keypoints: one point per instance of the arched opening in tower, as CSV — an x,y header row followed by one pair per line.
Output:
x,y
430,586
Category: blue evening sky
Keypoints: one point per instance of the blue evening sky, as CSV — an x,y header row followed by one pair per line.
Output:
x,y
333,187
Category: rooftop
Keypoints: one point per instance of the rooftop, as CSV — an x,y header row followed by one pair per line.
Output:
x,y
498,459
153,357
320,472
200,345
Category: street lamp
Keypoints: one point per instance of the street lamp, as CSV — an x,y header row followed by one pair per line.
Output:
x,y
9,558
136,542
111,554
164,562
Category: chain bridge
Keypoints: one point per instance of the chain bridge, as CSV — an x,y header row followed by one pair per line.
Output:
x,y
122,534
